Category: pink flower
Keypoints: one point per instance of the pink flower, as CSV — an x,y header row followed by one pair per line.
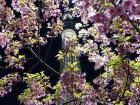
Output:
x,y
103,29
47,13
127,4
137,38
136,10
15,5
115,11
82,4
119,11
3,40
2,3
137,1
99,18
111,11
25,10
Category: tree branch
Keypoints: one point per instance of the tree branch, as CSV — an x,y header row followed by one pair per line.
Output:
x,y
44,63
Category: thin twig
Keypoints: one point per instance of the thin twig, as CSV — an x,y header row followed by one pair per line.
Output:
x,y
44,63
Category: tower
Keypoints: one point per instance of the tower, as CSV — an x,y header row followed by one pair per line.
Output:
x,y
69,40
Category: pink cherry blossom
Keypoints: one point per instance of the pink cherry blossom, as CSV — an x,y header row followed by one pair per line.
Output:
x,y
136,10
3,40
111,11
127,4
99,18
119,11
82,4
137,1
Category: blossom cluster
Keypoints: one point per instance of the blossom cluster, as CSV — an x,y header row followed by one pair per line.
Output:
x,y
7,82
37,85
21,24
109,43
104,13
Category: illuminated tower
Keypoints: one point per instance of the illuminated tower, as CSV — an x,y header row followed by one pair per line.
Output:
x,y
68,39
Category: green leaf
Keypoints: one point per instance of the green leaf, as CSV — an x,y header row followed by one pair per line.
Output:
x,y
114,62
1,82
116,24
128,38
25,94
133,85
21,56
128,93
121,103
137,79
76,69
22,1
108,5
67,69
105,4
72,65
48,98
135,65
75,63
77,95
60,55
87,86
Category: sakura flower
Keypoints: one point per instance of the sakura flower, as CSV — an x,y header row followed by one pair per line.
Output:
x,y
38,91
119,11
110,11
3,92
103,29
82,4
78,25
15,5
127,4
137,1
136,10
82,33
99,18
3,40
7,82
